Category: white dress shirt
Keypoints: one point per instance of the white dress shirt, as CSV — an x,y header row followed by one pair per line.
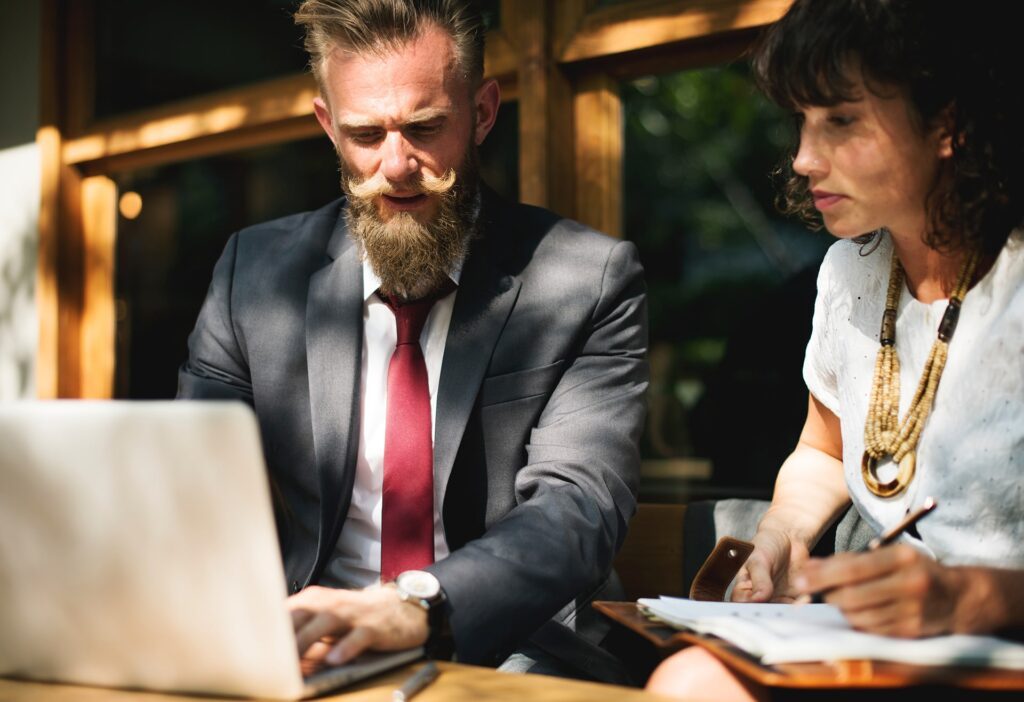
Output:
x,y
358,549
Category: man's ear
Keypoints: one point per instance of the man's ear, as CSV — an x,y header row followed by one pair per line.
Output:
x,y
485,103
323,116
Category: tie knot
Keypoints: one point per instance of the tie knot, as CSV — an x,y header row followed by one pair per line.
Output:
x,y
411,316
409,319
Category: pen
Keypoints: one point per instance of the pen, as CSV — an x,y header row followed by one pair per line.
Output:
x,y
416,682
888,537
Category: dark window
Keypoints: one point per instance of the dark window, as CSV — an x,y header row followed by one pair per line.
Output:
x,y
731,282
158,51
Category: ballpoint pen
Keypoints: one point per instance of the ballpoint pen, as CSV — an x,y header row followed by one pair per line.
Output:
x,y
416,682
888,537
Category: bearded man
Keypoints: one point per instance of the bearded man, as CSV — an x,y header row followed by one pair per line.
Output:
x,y
449,387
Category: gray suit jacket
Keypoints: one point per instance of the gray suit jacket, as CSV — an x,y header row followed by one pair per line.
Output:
x,y
539,410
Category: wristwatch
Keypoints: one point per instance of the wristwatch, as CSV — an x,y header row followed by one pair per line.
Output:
x,y
422,589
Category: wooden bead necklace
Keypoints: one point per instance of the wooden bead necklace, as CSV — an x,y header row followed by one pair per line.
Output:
x,y
884,435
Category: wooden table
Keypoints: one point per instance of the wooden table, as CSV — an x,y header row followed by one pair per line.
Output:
x,y
457,683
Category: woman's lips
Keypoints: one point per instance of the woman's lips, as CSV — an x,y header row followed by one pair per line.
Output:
x,y
824,200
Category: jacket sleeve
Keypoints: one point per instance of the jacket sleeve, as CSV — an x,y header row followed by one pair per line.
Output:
x,y
217,365
576,493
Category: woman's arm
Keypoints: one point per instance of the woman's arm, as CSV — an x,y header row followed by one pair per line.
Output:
x,y
897,590
810,492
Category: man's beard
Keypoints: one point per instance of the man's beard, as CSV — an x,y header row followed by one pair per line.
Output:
x,y
413,258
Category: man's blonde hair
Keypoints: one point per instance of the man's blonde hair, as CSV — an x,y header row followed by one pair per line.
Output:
x,y
362,26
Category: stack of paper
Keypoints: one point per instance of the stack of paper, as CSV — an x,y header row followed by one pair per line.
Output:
x,y
785,633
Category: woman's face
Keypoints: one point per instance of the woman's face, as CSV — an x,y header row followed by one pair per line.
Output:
x,y
870,164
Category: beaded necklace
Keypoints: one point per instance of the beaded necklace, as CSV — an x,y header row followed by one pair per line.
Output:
x,y
884,435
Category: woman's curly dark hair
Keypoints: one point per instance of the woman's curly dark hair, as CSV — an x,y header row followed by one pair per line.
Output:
x,y
944,56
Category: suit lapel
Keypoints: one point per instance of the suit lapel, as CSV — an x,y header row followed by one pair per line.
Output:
x,y
485,299
334,345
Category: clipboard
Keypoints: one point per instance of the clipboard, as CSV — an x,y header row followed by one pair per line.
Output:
x,y
711,583
822,675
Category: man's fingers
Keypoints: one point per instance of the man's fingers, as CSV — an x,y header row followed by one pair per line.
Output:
x,y
313,659
320,605
322,625
351,645
300,617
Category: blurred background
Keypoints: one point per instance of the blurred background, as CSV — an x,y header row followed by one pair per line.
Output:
x,y
137,136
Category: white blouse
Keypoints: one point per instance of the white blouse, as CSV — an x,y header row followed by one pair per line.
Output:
x,y
970,456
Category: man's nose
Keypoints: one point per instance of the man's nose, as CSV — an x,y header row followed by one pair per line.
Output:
x,y
398,158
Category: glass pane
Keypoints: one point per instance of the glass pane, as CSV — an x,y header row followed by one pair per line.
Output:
x,y
158,51
166,254
731,282
499,154
491,10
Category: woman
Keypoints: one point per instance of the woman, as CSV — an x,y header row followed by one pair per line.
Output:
x,y
911,153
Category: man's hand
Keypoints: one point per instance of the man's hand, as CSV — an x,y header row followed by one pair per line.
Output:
x,y
769,571
899,591
353,621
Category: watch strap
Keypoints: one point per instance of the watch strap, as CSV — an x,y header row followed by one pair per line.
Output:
x,y
440,640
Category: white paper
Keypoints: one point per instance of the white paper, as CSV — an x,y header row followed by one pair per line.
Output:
x,y
785,633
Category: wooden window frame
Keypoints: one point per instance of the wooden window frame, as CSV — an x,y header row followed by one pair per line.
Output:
x,y
562,61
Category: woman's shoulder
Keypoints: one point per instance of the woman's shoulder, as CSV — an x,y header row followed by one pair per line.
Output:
x,y
852,265
1006,279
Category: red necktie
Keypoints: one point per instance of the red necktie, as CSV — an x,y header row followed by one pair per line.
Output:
x,y
407,519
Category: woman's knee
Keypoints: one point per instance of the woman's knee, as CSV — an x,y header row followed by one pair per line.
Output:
x,y
693,672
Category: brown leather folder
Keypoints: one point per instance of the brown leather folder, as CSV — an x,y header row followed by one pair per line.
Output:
x,y
710,584
837,674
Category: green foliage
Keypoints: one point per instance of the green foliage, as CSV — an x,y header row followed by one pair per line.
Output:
x,y
720,265
700,147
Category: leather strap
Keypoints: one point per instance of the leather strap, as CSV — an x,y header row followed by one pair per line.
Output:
x,y
713,578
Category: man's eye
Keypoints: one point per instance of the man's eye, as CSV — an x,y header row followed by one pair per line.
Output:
x,y
368,137
425,130
841,120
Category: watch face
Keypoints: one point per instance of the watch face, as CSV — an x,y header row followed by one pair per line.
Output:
x,y
419,583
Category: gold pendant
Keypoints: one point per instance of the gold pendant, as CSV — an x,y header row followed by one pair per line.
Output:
x,y
905,473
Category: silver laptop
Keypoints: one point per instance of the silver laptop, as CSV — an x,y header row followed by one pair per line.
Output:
x,y
138,549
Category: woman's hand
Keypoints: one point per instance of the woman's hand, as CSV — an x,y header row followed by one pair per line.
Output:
x,y
899,591
810,492
769,571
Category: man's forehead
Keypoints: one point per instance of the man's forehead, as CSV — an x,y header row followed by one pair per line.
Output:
x,y
350,119
430,51
419,74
